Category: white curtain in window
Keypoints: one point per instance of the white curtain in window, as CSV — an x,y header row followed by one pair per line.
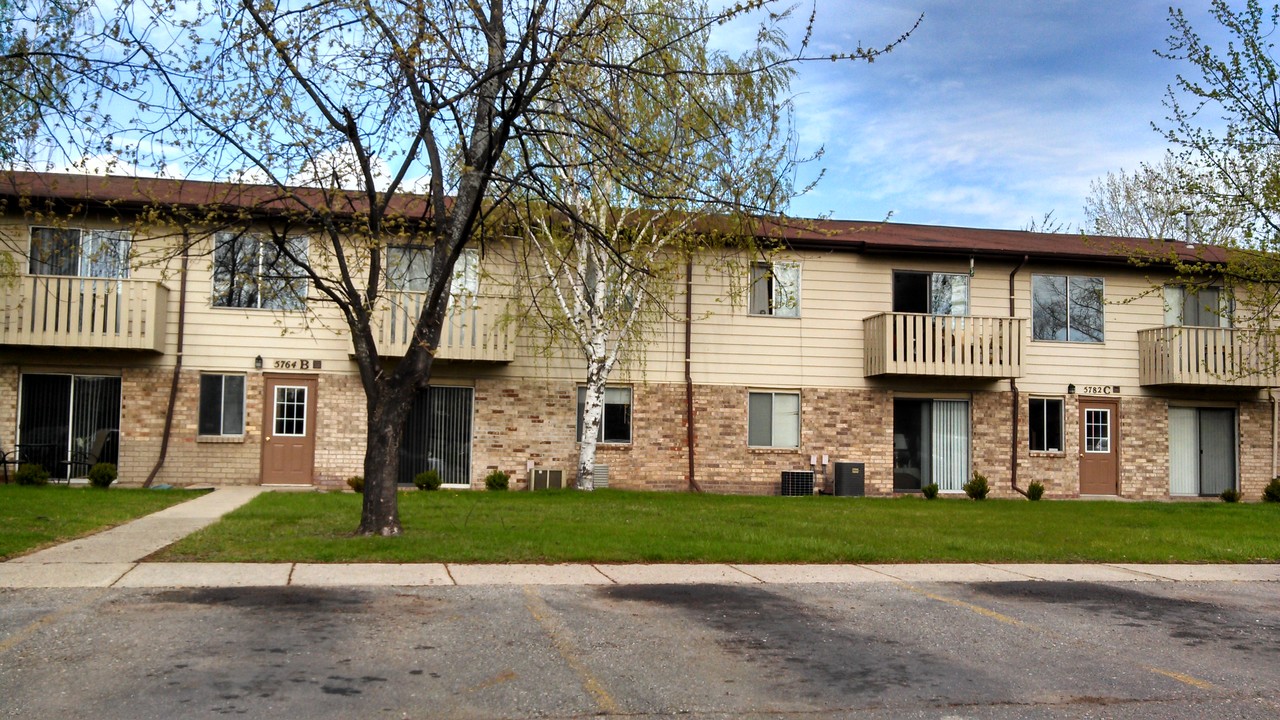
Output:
x,y
105,254
786,289
1184,451
950,444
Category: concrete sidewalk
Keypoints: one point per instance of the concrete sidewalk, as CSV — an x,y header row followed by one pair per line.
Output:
x,y
112,559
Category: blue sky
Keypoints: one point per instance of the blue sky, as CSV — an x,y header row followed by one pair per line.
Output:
x,y
991,114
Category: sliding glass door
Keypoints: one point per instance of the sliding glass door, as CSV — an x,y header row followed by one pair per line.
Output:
x,y
65,417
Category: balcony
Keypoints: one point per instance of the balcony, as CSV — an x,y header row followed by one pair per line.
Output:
x,y
474,327
943,346
74,312
1206,356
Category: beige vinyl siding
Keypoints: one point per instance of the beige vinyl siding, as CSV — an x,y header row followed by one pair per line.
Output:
x,y
1129,307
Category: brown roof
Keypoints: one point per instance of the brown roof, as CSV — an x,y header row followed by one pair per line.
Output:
x,y
848,235
899,238
130,192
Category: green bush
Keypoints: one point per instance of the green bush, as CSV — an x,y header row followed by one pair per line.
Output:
x,y
31,474
102,475
429,480
930,491
497,480
357,483
1271,493
978,487
1230,495
1035,490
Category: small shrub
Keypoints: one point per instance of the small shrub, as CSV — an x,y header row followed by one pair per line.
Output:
x,y
1230,495
1271,493
930,491
429,480
357,483
1035,490
102,475
497,480
978,487
31,474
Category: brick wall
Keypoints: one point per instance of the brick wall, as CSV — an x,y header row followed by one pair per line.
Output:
x,y
1144,448
1255,449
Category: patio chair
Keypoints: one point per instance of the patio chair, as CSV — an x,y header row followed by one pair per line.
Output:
x,y
7,458
88,458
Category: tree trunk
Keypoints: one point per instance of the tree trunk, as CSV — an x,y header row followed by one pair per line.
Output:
x,y
592,415
388,411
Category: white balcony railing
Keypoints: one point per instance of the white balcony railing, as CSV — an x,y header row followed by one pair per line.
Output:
x,y
475,327
76,312
943,345
1205,356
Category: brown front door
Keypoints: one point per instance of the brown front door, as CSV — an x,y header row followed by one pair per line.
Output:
x,y
288,430
1099,447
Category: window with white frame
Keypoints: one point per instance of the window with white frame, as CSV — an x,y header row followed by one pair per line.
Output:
x,y
79,253
1045,431
409,270
615,421
930,293
1067,308
250,271
775,289
221,405
1208,306
773,419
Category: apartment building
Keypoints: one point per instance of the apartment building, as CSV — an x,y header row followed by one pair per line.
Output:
x,y
918,354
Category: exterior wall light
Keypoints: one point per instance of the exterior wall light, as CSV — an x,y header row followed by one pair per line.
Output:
x,y
257,364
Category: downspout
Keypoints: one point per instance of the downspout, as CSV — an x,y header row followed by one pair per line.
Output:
x,y
1275,433
177,364
688,372
1017,402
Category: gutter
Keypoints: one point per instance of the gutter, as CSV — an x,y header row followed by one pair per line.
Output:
x,y
1017,401
688,373
177,365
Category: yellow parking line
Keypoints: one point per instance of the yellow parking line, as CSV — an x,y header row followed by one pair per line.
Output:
x,y
1184,678
31,628
542,613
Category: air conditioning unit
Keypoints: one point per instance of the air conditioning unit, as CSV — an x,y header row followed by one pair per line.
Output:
x,y
600,476
797,482
546,479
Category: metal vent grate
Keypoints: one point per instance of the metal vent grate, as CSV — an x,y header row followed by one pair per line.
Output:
x,y
600,476
797,482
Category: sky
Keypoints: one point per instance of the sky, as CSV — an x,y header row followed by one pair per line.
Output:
x,y
991,114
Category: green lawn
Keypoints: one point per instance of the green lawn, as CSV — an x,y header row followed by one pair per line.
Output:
x,y
34,517
611,526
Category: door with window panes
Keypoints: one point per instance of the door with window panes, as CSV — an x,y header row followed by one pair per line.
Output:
x,y
1099,446
289,430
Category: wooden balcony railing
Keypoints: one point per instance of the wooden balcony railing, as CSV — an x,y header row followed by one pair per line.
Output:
x,y
943,346
474,327
1205,356
76,312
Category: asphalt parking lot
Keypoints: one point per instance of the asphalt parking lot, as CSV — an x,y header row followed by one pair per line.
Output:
x,y
884,650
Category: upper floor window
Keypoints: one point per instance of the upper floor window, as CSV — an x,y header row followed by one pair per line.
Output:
x,y
409,270
1208,306
79,253
252,272
775,289
1065,307
931,293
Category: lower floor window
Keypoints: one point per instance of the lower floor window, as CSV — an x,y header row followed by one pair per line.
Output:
x,y
773,419
221,405
67,423
615,421
437,435
930,444
1202,450
1046,424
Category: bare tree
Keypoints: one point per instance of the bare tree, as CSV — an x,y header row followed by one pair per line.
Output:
x,y
412,95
